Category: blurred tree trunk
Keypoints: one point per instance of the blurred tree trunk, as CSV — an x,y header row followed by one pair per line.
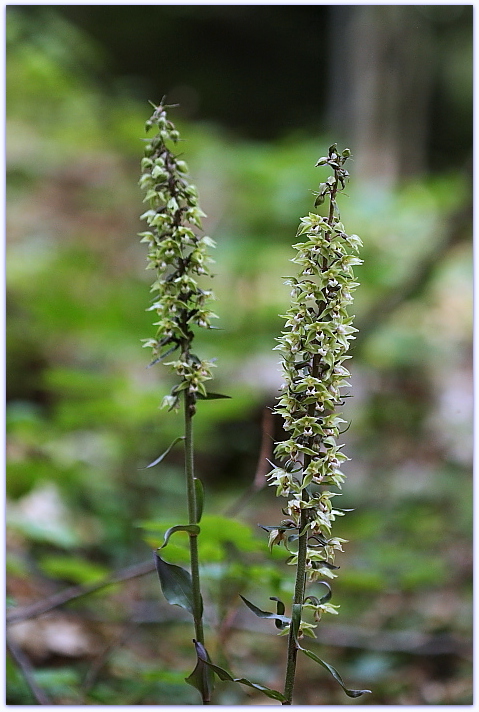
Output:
x,y
382,72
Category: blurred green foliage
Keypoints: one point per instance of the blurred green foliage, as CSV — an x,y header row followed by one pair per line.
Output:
x,y
83,418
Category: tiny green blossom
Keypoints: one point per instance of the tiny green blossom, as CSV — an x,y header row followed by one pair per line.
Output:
x,y
313,346
179,257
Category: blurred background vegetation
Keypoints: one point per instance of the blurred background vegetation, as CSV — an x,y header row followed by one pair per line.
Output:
x,y
263,91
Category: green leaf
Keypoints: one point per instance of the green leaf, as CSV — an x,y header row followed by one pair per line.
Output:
x,y
280,609
216,529
295,625
200,497
273,694
321,542
202,676
334,673
228,677
175,584
162,457
163,356
265,614
296,611
278,528
327,596
72,568
211,396
190,528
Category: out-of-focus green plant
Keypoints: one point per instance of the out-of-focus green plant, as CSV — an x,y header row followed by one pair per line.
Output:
x,y
314,347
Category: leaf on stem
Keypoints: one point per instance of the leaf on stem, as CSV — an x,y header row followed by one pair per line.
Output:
x,y
265,614
296,611
334,673
228,677
163,455
175,583
328,595
163,356
279,528
200,496
202,676
211,396
190,528
280,609
321,542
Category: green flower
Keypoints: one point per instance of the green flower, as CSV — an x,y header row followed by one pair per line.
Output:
x,y
313,345
179,256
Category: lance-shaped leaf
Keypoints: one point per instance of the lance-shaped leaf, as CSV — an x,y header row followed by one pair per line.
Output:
x,y
279,528
190,528
327,596
175,584
325,564
334,673
265,614
280,609
200,496
211,396
228,677
202,676
163,455
163,356
296,611
321,542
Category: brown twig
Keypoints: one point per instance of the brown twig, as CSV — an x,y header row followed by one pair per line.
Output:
x,y
74,592
409,642
28,672
70,594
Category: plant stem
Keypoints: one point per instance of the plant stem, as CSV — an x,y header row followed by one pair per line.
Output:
x,y
300,584
193,518
297,599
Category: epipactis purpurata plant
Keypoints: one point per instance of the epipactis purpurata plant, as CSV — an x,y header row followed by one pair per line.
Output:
x,y
179,257
313,346
178,254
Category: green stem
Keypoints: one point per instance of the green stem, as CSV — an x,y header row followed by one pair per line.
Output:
x,y
302,554
297,599
193,518
189,407
300,584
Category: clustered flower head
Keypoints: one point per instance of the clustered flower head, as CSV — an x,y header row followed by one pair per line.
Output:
x,y
314,347
178,254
